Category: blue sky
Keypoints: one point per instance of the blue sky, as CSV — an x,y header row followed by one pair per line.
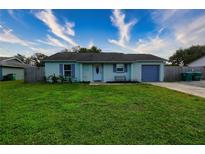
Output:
x,y
158,32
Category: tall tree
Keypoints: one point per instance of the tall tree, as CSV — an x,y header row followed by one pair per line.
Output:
x,y
186,56
93,49
38,58
26,60
79,49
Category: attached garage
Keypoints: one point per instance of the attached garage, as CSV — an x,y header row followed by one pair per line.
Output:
x,y
150,73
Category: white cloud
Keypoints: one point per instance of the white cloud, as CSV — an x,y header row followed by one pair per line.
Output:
x,y
18,17
161,46
181,31
53,42
6,35
5,52
91,43
192,33
69,30
46,51
27,47
118,20
50,20
152,44
164,16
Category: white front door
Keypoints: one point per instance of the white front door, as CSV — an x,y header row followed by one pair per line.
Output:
x,y
97,72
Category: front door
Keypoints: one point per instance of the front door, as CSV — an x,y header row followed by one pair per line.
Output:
x,y
97,72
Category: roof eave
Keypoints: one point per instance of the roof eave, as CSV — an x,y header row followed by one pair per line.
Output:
x,y
13,66
105,61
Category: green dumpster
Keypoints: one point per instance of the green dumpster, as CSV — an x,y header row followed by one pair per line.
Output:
x,y
186,76
196,76
9,77
14,76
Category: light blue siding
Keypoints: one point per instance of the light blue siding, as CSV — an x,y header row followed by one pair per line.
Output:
x,y
109,75
136,70
84,72
52,68
87,72
61,69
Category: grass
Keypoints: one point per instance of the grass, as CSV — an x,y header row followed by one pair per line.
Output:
x,y
83,114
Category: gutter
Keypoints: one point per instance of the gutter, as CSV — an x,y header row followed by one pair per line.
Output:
x,y
104,61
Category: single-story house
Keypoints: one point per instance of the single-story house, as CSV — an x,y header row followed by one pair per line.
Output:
x,y
11,65
103,67
198,63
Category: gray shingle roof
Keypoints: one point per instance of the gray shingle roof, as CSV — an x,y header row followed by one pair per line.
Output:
x,y
102,57
4,58
11,62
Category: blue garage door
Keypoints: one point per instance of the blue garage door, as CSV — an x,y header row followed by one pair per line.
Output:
x,y
150,73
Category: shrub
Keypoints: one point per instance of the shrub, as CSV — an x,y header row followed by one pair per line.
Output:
x,y
54,79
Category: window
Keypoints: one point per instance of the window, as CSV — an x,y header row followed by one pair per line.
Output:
x,y
67,70
120,67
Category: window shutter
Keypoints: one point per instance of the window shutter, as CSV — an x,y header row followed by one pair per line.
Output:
x,y
73,70
61,69
125,67
114,67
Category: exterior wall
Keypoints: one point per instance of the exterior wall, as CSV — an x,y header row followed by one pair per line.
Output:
x,y
198,62
53,68
136,73
84,72
87,72
109,75
11,70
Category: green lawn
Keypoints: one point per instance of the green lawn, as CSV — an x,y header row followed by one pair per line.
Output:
x,y
83,114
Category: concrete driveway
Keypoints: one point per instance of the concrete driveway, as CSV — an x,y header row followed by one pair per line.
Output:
x,y
196,88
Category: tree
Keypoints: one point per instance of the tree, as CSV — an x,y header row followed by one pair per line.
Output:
x,y
23,58
83,50
79,49
186,56
94,49
38,58
65,50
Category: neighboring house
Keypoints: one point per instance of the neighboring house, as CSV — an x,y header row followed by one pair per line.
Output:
x,y
103,67
11,65
198,63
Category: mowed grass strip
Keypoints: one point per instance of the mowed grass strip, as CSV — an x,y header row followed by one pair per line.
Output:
x,y
83,114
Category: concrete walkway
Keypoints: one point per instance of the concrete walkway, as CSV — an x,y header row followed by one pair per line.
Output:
x,y
103,83
182,87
